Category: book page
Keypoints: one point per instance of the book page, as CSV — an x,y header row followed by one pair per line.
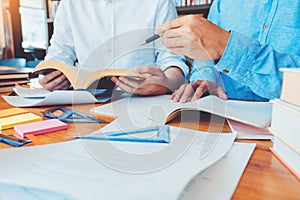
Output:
x,y
160,108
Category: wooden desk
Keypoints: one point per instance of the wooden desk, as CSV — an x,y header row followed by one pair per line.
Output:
x,y
264,178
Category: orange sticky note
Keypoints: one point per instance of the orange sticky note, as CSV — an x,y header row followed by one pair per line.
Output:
x,y
11,112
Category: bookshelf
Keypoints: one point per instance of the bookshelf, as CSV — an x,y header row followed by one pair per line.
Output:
x,y
186,7
196,9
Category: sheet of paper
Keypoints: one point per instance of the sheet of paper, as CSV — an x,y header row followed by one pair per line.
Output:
x,y
200,187
33,93
8,191
111,170
57,97
220,180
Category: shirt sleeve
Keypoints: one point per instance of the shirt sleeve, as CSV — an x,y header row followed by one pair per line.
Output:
x,y
252,63
204,70
255,65
61,44
165,59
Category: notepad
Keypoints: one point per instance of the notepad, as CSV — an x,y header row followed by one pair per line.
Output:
x,y
11,112
9,122
41,127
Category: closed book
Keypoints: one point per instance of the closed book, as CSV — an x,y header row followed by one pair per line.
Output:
x,y
248,132
9,122
15,73
41,127
290,85
11,112
289,157
285,123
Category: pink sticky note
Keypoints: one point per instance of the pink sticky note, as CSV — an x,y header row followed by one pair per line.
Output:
x,y
40,127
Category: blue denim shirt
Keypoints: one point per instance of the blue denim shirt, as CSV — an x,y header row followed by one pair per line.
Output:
x,y
264,36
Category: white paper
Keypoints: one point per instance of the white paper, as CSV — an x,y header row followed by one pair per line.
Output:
x,y
157,108
221,179
71,168
57,97
31,93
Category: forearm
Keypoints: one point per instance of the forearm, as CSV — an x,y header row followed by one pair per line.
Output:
x,y
255,65
175,78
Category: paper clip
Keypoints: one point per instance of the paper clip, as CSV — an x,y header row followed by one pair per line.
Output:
x,y
162,136
69,115
12,140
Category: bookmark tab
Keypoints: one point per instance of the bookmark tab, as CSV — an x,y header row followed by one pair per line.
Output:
x,y
9,122
11,112
37,128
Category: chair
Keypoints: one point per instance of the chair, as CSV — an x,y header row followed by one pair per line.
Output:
x,y
13,62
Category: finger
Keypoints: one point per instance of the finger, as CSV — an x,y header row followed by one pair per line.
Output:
x,y
154,71
49,77
123,86
54,83
174,33
201,89
63,85
129,82
171,24
178,93
221,93
187,93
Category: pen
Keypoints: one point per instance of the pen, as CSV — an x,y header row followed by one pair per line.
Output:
x,y
151,39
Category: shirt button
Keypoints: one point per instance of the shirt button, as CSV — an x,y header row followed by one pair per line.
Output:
x,y
266,26
225,71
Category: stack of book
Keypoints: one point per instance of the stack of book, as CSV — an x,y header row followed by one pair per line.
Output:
x,y
285,123
10,76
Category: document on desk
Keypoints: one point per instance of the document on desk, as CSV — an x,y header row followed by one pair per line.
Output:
x,y
57,97
74,168
210,183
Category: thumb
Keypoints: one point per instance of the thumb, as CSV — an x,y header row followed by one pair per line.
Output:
x,y
221,93
154,71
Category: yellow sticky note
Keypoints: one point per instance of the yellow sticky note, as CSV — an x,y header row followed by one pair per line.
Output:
x,y
9,122
11,112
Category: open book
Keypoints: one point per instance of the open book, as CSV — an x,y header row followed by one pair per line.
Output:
x,y
82,78
162,109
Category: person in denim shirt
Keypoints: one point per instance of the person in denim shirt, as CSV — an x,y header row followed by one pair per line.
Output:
x,y
248,41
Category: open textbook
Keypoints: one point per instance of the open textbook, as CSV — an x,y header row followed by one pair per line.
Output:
x,y
82,78
162,109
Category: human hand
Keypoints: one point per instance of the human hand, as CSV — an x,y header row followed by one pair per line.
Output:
x,y
195,37
55,80
157,81
195,90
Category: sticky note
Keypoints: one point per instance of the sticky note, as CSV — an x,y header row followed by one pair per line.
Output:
x,y
9,122
41,127
11,112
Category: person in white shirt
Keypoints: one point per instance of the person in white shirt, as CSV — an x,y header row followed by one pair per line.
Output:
x,y
107,34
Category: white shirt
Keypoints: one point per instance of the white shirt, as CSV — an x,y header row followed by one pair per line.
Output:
x,y
108,33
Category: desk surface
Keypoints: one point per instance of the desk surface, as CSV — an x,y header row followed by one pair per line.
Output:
x,y
264,178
